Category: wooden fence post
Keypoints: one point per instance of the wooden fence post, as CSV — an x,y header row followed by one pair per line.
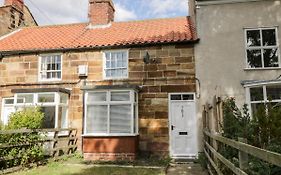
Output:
x,y
243,157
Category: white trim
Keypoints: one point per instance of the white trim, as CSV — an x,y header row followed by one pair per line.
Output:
x,y
104,64
169,123
109,135
262,47
5,105
35,102
109,103
39,68
9,34
265,95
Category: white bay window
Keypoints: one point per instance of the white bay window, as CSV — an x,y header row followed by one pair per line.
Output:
x,y
54,105
111,112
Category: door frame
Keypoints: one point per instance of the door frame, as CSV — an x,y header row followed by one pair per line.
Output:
x,y
170,119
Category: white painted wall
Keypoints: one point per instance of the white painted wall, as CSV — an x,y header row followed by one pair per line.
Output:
x,y
220,55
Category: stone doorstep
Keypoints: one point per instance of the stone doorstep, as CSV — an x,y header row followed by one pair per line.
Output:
x,y
185,169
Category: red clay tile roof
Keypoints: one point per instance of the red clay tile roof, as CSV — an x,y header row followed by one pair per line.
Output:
x,y
73,36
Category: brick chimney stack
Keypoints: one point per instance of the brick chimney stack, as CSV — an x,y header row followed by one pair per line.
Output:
x,y
101,12
19,4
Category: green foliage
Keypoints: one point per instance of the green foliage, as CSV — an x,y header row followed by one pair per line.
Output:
x,y
26,148
262,130
30,118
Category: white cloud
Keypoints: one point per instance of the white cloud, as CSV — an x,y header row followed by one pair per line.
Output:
x,y
164,7
123,14
72,11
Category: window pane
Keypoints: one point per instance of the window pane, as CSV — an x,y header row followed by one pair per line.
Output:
x,y
96,121
254,58
269,37
256,94
120,96
63,98
9,101
253,38
273,92
96,97
176,97
49,117
120,119
257,106
188,97
270,57
46,98
25,98
62,118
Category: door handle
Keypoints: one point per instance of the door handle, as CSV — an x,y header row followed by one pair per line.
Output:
x,y
172,127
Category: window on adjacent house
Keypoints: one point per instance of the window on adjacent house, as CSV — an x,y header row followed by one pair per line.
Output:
x,y
111,113
263,95
54,105
115,64
262,48
51,67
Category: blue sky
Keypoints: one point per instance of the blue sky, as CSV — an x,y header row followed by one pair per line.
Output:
x,y
48,12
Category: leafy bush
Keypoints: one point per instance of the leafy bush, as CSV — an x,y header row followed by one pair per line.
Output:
x,y
26,148
30,118
262,130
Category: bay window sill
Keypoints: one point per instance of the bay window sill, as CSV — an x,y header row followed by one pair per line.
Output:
x,y
109,135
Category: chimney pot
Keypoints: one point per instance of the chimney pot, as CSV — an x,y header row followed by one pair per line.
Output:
x,y
101,12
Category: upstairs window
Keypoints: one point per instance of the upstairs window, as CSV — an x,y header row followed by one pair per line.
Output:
x,y
115,64
50,67
262,48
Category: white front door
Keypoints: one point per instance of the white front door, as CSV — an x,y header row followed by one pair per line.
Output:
x,y
183,126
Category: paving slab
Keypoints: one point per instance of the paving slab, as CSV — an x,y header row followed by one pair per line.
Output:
x,y
186,169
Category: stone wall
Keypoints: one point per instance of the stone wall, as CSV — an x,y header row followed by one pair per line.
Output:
x,y
171,69
11,19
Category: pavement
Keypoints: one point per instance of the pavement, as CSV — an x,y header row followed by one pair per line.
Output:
x,y
186,169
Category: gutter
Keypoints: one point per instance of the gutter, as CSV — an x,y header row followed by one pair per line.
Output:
x,y
17,52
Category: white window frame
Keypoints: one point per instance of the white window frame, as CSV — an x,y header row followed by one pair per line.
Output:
x,y
55,104
40,79
104,65
3,107
262,47
265,98
134,113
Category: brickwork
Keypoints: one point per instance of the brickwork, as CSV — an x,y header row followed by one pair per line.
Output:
x,y
171,69
14,15
101,12
109,156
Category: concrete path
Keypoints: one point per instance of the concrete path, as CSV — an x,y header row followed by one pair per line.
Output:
x,y
186,169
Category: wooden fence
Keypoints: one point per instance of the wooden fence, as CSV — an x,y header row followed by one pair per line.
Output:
x,y
55,142
212,122
211,151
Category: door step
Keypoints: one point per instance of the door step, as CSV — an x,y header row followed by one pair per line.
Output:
x,y
183,161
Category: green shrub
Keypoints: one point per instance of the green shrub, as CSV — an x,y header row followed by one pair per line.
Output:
x,y
30,118
30,151
262,131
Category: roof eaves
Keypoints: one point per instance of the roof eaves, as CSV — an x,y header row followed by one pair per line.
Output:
x,y
16,52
